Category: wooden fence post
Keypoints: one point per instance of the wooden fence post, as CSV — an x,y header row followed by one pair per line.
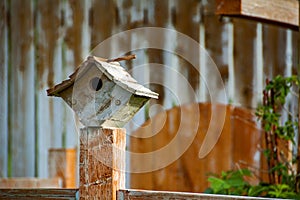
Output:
x,y
62,163
101,162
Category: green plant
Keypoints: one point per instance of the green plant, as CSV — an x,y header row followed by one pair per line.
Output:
x,y
233,183
278,137
230,182
281,191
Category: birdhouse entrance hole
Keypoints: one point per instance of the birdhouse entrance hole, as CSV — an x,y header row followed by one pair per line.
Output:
x,y
96,84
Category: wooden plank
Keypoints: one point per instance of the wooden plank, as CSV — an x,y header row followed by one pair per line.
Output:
x,y
218,159
258,68
49,194
187,174
154,135
157,55
102,162
21,89
184,174
141,144
75,21
49,70
147,194
189,11
216,45
30,183
244,30
75,16
174,174
274,49
281,12
102,27
246,137
3,90
63,163
295,51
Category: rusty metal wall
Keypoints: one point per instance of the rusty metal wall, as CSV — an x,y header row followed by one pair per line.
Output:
x,y
43,41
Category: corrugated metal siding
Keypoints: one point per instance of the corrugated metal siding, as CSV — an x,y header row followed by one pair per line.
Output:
x,y
43,41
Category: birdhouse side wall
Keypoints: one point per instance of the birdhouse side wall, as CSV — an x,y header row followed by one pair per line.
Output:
x,y
125,114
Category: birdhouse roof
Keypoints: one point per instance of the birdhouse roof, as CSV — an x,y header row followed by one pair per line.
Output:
x,y
113,71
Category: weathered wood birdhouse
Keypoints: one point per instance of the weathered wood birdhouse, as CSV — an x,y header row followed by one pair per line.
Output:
x,y
102,93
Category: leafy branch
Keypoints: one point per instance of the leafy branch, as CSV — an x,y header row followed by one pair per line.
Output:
x,y
284,178
278,135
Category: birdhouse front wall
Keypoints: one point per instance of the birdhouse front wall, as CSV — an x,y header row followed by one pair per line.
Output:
x,y
96,98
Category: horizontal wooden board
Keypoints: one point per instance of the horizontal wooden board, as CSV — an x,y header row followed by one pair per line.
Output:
x,y
30,183
26,194
284,13
144,194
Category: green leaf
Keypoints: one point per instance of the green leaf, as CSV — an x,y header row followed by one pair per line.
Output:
x,y
257,190
236,182
281,191
218,185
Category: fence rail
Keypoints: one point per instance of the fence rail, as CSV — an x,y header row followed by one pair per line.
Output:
x,y
147,194
40,194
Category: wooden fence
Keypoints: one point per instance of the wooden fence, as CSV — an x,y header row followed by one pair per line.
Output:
x,y
239,146
105,179
43,41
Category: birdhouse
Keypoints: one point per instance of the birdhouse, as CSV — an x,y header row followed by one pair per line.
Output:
x,y
102,93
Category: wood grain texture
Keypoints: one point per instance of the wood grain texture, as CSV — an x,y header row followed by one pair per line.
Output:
x,y
281,12
102,162
216,45
218,159
102,25
15,183
156,195
49,70
75,44
160,15
244,41
3,89
274,49
75,18
189,172
65,31
246,142
22,90
39,194
63,163
187,15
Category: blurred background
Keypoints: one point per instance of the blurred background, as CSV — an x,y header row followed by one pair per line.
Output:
x,y
43,41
